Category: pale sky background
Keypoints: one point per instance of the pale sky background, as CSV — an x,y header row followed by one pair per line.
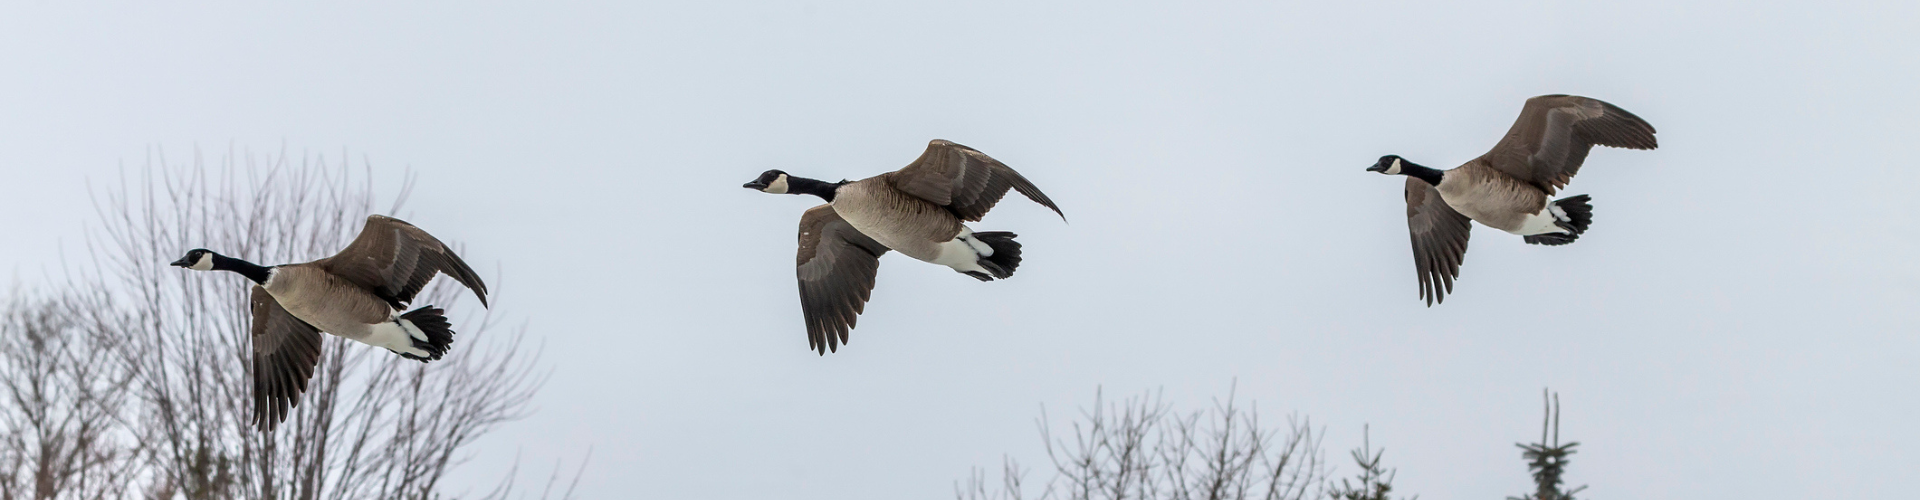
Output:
x,y
1739,322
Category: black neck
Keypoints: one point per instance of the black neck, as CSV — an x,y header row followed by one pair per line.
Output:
x,y
254,272
822,189
1423,173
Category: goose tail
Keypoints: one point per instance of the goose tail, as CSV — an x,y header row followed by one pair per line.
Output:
x,y
1573,214
1006,253
429,330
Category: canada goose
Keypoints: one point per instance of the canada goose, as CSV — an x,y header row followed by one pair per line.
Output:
x,y
357,294
920,210
1508,188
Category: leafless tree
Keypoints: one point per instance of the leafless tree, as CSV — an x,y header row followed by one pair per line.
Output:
x,y
372,425
506,490
61,433
1548,461
1140,448
1011,487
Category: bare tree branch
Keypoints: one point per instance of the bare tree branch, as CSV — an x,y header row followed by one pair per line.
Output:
x,y
1140,448
371,425
61,432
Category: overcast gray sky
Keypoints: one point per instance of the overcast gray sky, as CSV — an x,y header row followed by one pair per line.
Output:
x,y
1737,324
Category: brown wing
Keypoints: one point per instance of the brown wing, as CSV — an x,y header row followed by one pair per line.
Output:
x,y
965,181
837,264
1551,138
285,350
1439,239
396,260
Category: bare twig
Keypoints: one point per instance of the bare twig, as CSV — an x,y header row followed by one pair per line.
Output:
x,y
1140,448
62,434
371,425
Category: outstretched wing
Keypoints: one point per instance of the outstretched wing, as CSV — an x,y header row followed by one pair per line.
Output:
x,y
1439,239
285,350
1551,138
396,260
964,180
837,264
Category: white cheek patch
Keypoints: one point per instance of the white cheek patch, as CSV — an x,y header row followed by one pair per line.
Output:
x,y
204,264
1394,169
779,185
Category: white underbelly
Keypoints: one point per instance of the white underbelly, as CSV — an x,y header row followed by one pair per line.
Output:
x,y
396,336
391,335
1542,223
963,253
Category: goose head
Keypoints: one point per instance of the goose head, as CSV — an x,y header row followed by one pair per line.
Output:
x,y
771,181
198,259
1389,164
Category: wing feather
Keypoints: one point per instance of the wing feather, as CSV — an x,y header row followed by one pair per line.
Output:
x,y
1554,133
836,267
285,350
966,181
1439,237
396,260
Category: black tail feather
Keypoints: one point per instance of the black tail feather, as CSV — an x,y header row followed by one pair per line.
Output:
x,y
1579,217
1006,253
431,321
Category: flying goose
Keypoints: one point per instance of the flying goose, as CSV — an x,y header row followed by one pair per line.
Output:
x,y
358,294
920,210
1508,188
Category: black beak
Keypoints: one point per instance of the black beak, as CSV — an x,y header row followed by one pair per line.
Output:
x,y
1377,168
183,262
755,185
